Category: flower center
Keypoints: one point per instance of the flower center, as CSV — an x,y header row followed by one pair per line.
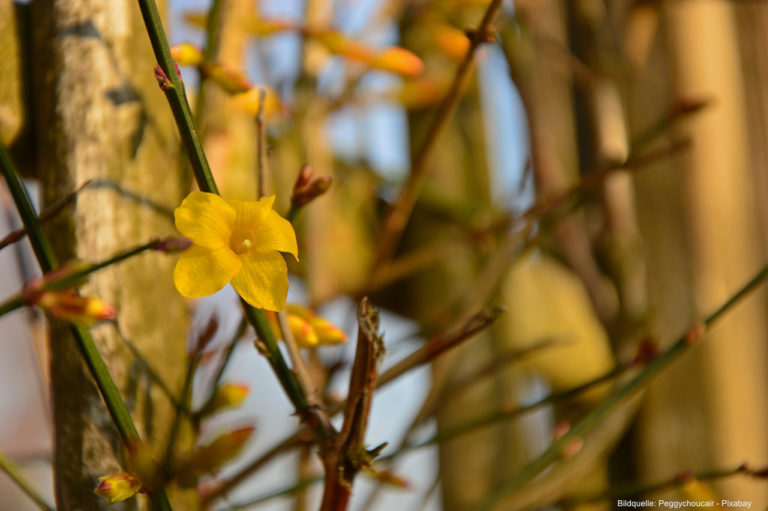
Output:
x,y
240,242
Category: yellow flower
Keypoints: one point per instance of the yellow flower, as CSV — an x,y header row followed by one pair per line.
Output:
x,y
234,241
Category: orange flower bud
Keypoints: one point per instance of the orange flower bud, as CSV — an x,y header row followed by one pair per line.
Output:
x,y
327,332
229,395
118,487
229,79
398,60
187,54
70,306
451,41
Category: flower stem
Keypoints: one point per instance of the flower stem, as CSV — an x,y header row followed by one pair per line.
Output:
x,y
47,261
684,343
189,135
10,468
177,98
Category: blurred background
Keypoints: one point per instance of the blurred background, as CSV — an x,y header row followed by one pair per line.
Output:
x,y
600,172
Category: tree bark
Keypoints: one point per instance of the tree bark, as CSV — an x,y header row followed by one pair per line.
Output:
x,y
101,116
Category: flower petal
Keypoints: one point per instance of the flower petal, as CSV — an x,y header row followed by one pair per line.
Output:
x,y
206,219
250,213
202,271
275,233
263,280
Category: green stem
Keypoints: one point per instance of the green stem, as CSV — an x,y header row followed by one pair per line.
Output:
x,y
593,418
47,261
258,319
177,98
186,124
10,468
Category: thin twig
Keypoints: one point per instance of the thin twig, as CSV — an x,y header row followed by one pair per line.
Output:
x,y
437,345
48,213
261,146
10,468
401,211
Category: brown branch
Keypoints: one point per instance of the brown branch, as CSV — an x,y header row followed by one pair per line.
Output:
x,y
401,211
434,346
345,455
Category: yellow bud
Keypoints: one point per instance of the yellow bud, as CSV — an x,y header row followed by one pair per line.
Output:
x,y
229,395
187,54
118,487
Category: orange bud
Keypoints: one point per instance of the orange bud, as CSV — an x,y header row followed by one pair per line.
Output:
x,y
451,41
70,306
229,79
398,60
229,395
187,54
118,487
327,332
303,333
250,101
